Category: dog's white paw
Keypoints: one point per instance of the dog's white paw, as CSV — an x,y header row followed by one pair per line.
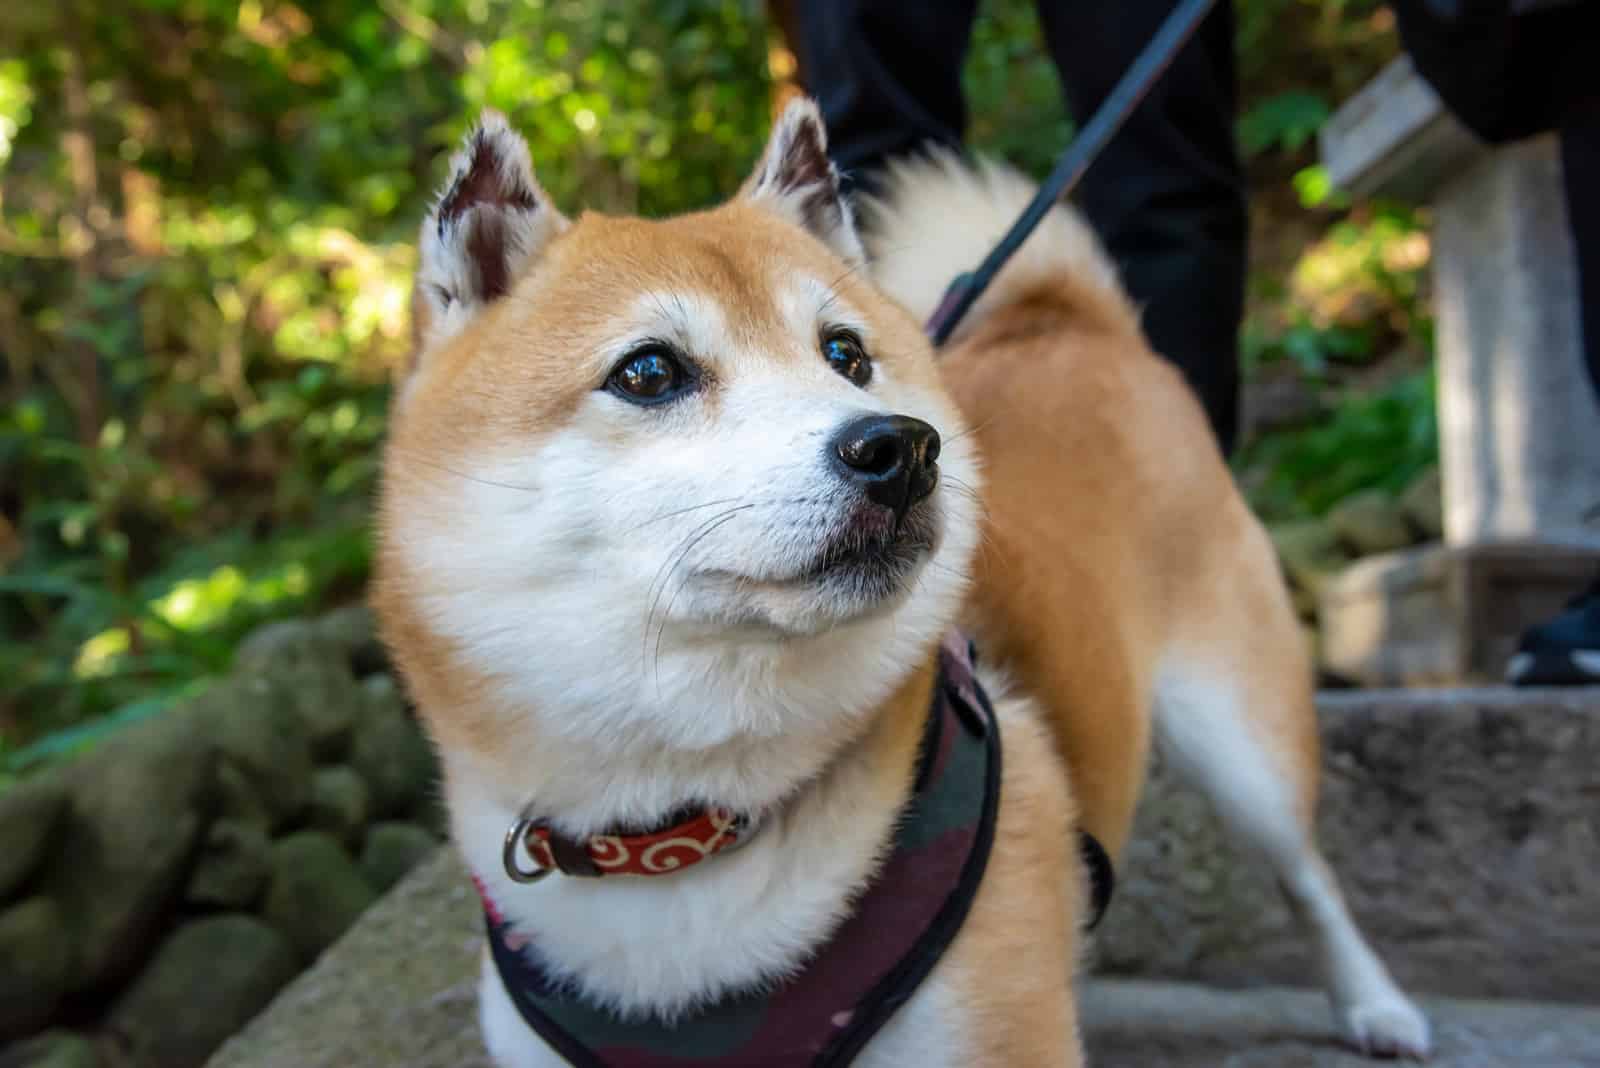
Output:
x,y
1386,1026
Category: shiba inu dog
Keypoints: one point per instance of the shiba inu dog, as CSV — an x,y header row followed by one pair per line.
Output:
x,y
678,518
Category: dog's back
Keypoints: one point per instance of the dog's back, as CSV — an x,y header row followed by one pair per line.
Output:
x,y
1123,579
1117,546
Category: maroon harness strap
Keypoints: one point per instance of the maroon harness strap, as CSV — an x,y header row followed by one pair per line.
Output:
x,y
899,928
854,983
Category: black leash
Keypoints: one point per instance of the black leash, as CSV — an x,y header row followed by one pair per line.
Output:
x,y
1141,75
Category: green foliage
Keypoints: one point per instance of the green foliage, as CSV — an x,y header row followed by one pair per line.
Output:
x,y
1380,440
1287,121
198,314
1311,348
1016,112
1355,295
207,210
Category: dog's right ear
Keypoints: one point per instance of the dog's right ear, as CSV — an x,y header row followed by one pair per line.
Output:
x,y
796,179
490,221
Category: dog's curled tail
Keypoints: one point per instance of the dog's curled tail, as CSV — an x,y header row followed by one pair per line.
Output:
x,y
936,216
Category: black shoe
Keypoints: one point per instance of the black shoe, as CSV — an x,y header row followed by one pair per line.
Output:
x,y
1564,651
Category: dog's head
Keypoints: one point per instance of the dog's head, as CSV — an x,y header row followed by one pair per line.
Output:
x,y
664,485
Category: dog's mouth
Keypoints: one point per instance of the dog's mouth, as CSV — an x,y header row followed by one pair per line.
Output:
x,y
866,558
874,552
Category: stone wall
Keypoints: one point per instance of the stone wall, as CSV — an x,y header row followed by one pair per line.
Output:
x,y
1315,552
158,891
1464,829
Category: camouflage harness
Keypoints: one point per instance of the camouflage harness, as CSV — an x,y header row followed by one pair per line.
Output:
x,y
873,963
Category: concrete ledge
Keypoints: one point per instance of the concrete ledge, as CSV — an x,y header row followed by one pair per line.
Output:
x,y
1394,138
1434,615
1173,1025
1463,825
400,989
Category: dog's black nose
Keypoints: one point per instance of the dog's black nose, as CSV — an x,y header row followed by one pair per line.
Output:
x,y
893,457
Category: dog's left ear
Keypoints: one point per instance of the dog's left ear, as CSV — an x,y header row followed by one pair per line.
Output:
x,y
796,179
490,221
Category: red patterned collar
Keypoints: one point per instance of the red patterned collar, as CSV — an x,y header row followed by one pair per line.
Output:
x,y
533,850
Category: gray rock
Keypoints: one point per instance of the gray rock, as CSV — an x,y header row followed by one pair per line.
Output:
x,y
140,801
340,803
1423,504
232,868
238,801
353,630
205,982
35,964
29,813
432,812
258,732
311,662
1276,401
424,939
1310,553
349,625
328,701
53,1049
1175,1025
392,850
391,753
267,650
1370,522
316,891
1461,824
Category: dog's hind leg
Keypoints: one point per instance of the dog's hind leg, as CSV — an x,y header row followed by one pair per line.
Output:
x,y
1241,727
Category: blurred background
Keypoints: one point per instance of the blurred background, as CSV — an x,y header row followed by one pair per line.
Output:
x,y
207,211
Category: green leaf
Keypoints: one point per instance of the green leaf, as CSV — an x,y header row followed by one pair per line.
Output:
x,y
1286,121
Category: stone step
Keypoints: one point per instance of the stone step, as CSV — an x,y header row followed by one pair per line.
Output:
x,y
1144,1024
400,990
1464,826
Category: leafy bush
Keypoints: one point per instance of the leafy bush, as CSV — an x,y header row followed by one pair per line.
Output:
x,y
1380,440
206,241
207,210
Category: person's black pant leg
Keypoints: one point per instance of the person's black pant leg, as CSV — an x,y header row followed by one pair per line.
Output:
x,y
1580,165
886,74
1167,196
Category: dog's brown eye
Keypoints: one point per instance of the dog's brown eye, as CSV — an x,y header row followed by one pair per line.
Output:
x,y
649,376
845,355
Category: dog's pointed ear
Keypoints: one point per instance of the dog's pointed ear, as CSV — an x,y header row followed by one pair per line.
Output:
x,y
490,221
796,179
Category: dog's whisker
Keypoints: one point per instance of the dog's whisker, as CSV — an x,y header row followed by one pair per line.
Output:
x,y
663,578
412,458
682,511
661,628
971,430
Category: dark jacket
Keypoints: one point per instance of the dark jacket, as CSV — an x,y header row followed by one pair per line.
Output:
x,y
1508,69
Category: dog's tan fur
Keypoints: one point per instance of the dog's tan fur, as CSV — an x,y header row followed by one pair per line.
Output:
x,y
1114,542
1024,925
1115,533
